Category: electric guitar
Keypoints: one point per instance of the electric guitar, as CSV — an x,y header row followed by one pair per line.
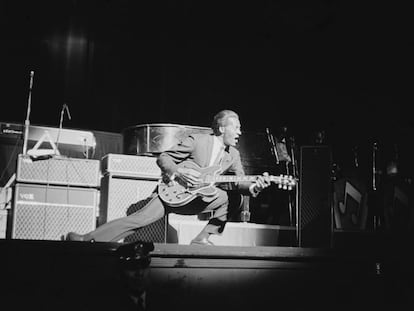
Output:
x,y
177,192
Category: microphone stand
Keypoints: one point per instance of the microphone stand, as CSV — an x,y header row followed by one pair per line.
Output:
x,y
295,176
27,122
375,198
374,168
292,153
64,107
276,155
273,149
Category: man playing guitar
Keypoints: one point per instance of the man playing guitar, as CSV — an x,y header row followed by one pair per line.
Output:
x,y
190,171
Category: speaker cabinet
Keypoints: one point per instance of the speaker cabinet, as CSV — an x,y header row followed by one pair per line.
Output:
x,y
58,171
314,215
43,212
123,196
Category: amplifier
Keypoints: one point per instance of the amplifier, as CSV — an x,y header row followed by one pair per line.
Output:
x,y
43,212
117,195
123,196
77,139
131,166
59,171
3,223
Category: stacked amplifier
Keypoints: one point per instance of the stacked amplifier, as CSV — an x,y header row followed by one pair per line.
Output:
x,y
127,184
54,196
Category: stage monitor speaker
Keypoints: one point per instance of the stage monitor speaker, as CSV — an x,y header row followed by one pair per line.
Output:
x,y
58,171
314,215
43,212
123,196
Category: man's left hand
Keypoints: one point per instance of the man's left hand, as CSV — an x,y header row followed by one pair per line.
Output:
x,y
262,182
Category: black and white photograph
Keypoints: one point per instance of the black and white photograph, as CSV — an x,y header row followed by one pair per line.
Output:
x,y
206,155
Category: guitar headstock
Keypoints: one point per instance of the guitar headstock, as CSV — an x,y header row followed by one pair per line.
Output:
x,y
286,182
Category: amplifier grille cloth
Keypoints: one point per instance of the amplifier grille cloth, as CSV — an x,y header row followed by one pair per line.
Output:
x,y
121,197
50,222
59,171
43,212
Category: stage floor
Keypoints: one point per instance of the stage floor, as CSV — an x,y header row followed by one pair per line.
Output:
x,y
182,229
60,275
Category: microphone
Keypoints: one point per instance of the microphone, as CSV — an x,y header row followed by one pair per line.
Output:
x,y
67,110
31,80
284,134
292,141
355,151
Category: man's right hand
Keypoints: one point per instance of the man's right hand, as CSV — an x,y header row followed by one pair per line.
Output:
x,y
189,175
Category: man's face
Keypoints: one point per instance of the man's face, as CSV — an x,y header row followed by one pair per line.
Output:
x,y
231,131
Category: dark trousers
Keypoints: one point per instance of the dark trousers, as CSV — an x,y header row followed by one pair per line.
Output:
x,y
155,209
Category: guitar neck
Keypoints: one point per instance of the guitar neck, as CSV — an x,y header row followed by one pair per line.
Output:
x,y
212,175
237,178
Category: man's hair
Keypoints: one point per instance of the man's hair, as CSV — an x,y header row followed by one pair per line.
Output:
x,y
221,118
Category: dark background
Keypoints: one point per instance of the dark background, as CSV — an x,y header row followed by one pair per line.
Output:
x,y
343,67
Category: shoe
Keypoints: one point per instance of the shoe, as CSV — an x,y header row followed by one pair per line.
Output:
x,y
73,236
204,241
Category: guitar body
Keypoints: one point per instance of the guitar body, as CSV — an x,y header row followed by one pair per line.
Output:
x,y
177,193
